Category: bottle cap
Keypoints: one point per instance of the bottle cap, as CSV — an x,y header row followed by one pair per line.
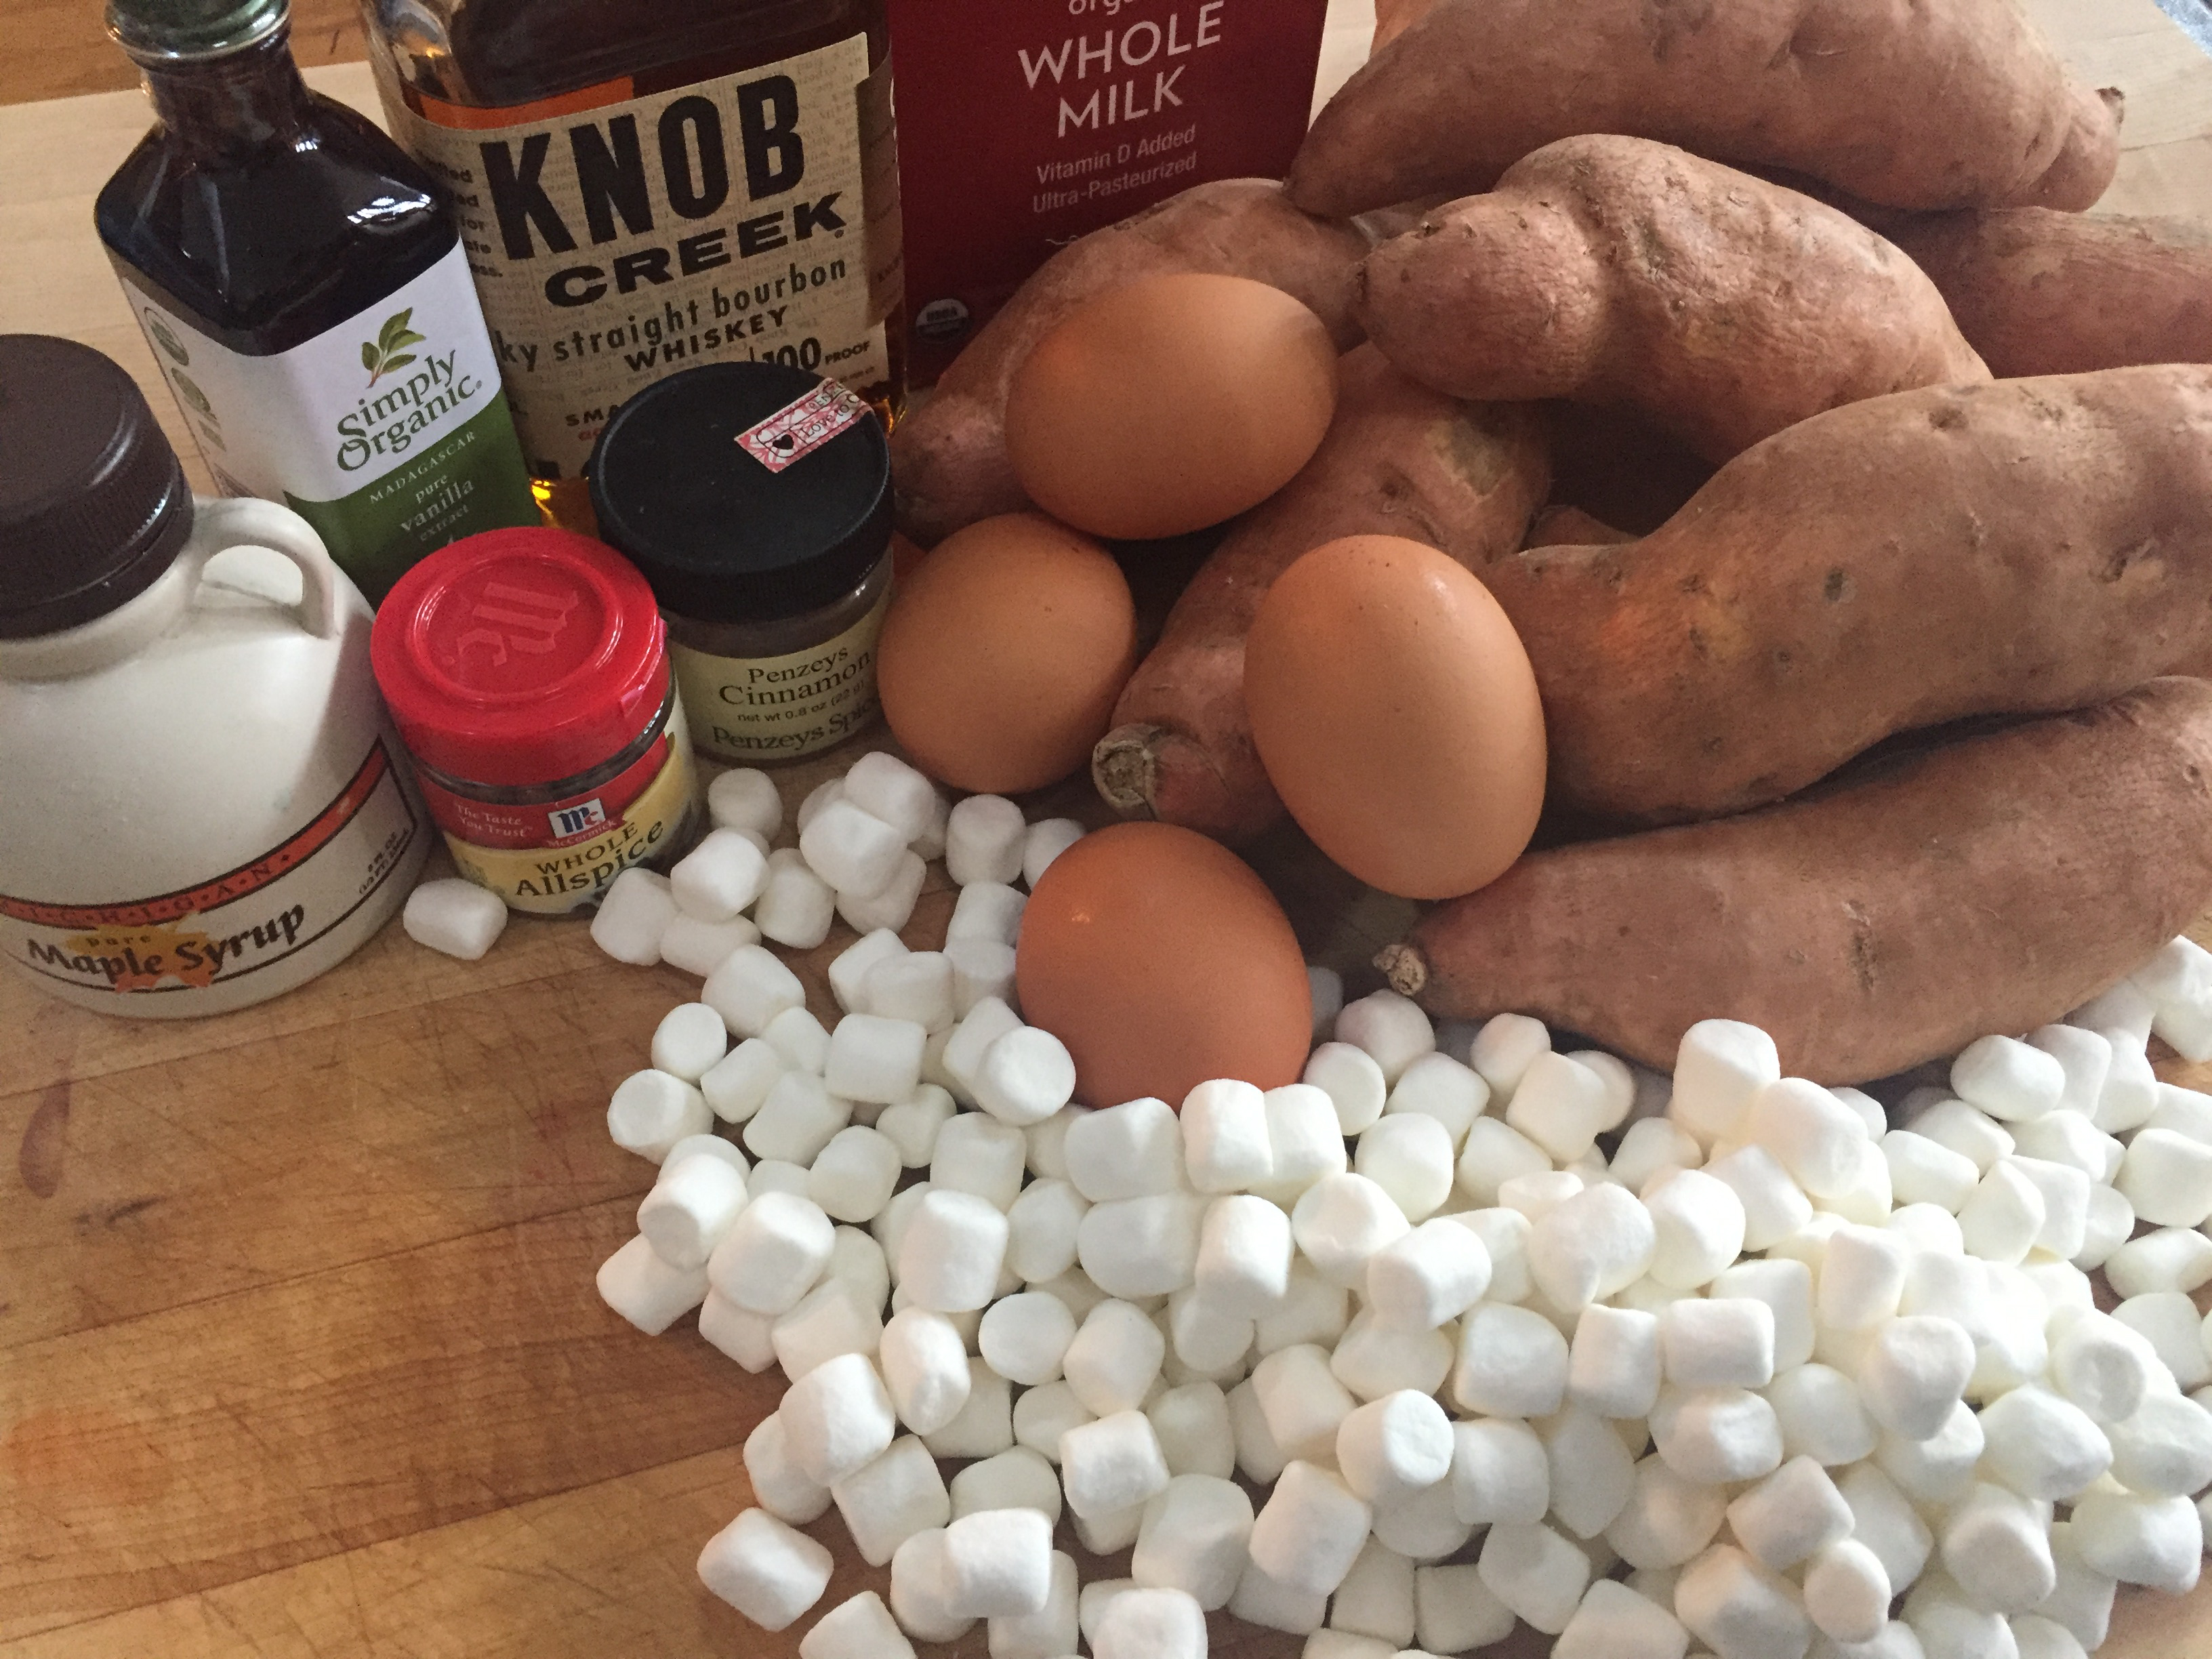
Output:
x,y
520,657
723,535
94,504
154,31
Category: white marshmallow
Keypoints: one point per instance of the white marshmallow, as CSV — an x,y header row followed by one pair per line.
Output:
x,y
765,1570
1592,1245
1971,1133
1042,1229
1925,1171
1193,1538
1885,1521
1391,1028
652,1110
860,1627
1310,1530
1592,1472
1699,1225
689,1041
2102,1365
828,1320
870,1058
1047,1142
1395,1446
1650,1145
2131,1095
910,985
1790,1515
2082,1603
1560,1104
1409,1155
1375,1602
1614,1622
1259,1459
1302,1401
647,1290
890,906
1434,1273
1716,1434
981,967
1341,1221
720,877
1512,1363
1822,1416
1112,1464
743,798
1026,1077
2124,1008
1223,1126
918,1589
1929,1229
799,1040
1373,1358
1613,1365
2185,1111
1495,1153
2164,1449
887,788
977,1154
1504,1048
1455,1612
1667,1519
796,1120
1727,1342
2039,1638
1045,841
853,1176
749,988
1203,1341
739,1085
1023,1337
914,1124
987,910
1862,1278
1050,1631
689,1210
890,1498
1537,1195
633,914
2085,1057
851,849
707,1146
2008,1079
1042,1414
1741,1609
1995,1549
1719,1066
2041,1445
456,917
1435,1086
1786,1286
1244,1253
795,907
1815,1135
699,947
771,1253
1536,1572
1150,1624
1139,1246
1312,1311
2167,1319
739,1334
1130,1150
2157,1541
998,1564
849,969
1913,1371
1940,1468
1774,1206
971,1039
984,841
2167,1177
1304,1141
984,1426
953,1249
1017,1479
837,1418
1847,1592
1113,1360
1195,1432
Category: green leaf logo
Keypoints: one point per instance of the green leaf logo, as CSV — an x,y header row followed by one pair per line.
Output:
x,y
389,350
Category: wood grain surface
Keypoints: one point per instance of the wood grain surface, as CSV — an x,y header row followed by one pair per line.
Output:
x,y
299,1351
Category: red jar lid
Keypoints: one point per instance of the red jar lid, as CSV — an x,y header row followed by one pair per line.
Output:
x,y
520,657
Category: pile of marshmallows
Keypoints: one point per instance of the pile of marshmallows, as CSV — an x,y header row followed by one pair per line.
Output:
x,y
1740,1385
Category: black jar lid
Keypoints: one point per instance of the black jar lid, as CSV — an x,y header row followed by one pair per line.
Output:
x,y
94,504
721,536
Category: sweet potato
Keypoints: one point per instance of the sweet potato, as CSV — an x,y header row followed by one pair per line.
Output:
x,y
948,461
1987,886
1570,526
1399,460
2045,293
2020,546
1617,270
1914,103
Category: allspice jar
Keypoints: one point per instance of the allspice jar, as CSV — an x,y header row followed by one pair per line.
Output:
x,y
755,499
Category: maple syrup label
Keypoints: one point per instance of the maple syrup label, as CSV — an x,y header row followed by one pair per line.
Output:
x,y
615,239
236,924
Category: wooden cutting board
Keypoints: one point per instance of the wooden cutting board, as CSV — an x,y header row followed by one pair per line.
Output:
x,y
299,1351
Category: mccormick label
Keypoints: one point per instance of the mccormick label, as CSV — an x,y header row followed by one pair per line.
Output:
x,y
233,925
389,433
617,238
1023,125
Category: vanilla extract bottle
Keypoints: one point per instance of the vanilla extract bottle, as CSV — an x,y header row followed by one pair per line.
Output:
x,y
642,190
302,285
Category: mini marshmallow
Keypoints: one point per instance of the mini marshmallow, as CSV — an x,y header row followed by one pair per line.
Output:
x,y
888,789
889,1228
890,1498
1793,1513
2008,1079
1913,1371
1613,1365
2131,1095
2040,1638
1719,1066
1391,1028
860,1627
1512,1363
1341,1221
1139,1246
1455,1612
634,911
1302,1401
1592,1472
1786,1286
1699,1225
984,1426
745,799
690,1210
1193,1538
1312,1311
1536,1572
1862,1278
796,906
1504,1048
1026,1077
799,1040
977,1154
1046,839
1815,1135
1435,1085
1614,1622
1774,1206
1940,1468
909,985
981,967
2102,1365
2170,1259
1244,1252
1042,1414
689,1041
1560,1104
2041,1445
1822,1416
971,1039
645,1289
1667,1520
1130,1150
771,1253
1393,1447
987,910
456,917
749,988
998,1564
1203,1340
2185,1111
1042,1229
739,1085
1046,1143
2168,1321
2155,1541
1716,1434
950,1258
2164,1449
1726,1342
853,1176
2124,1008
1022,1337
699,947
1304,1140
1929,1229
838,1418
797,1120
851,849
1018,1478
828,1320
2002,1218
1112,1464
1373,1359
849,969
652,1110
2085,1057
1996,1547
707,1146
1741,1609
984,841
1113,1360
892,905
2082,1603
1925,1171
1409,1155
773,1175
739,1334
1592,1245
1052,1631
1195,1430
1223,1126
2167,1177
1433,1273
918,1587
871,1058
1847,1592
765,1570
1501,1472
1883,1520
1310,1530
1150,1624
1495,1153
1971,1133
720,877
1375,1602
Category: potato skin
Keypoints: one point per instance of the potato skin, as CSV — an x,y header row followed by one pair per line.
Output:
x,y
949,462
1621,271
2045,293
2017,547
1399,460
1991,885
1911,103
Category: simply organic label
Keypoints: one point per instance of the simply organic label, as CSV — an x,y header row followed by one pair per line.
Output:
x,y
389,433
232,925
616,240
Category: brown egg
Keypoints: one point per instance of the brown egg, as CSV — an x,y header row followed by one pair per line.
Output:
x,y
1003,653
1170,404
1395,709
1161,961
